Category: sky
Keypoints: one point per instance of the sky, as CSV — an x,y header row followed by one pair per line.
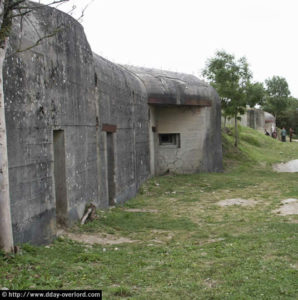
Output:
x,y
180,35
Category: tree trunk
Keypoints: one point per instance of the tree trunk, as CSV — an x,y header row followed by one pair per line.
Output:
x,y
275,118
6,236
236,131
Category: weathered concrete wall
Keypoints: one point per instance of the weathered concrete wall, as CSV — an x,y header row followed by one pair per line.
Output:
x,y
185,105
49,87
80,129
253,118
122,102
270,124
256,119
153,139
190,123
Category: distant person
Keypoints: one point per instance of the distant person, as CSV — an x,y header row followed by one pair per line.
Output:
x,y
291,131
283,134
274,134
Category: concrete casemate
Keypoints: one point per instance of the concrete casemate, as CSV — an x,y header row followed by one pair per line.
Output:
x,y
82,129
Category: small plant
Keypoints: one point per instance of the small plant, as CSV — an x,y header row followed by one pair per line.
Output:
x,y
122,291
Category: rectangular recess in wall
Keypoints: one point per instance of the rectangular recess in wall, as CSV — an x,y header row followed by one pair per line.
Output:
x,y
171,140
60,176
111,168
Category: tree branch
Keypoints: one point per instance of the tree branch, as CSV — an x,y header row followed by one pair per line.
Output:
x,y
37,42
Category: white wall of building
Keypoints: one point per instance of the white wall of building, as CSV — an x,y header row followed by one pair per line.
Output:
x,y
191,124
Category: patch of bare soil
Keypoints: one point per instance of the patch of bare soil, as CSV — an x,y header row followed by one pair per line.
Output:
x,y
91,239
146,210
210,283
289,167
289,207
161,236
209,241
237,201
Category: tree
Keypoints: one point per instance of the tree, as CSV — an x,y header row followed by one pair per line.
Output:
x,y
231,79
255,94
9,10
289,117
277,98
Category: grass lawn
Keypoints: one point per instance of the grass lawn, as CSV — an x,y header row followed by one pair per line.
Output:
x,y
180,244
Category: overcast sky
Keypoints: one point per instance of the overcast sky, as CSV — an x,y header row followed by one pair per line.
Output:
x,y
180,35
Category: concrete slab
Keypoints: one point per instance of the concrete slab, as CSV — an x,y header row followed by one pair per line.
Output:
x,y
290,167
289,207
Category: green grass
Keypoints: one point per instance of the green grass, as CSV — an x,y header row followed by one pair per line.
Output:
x,y
187,247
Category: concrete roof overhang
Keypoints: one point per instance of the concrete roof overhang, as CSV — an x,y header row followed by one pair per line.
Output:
x,y
170,88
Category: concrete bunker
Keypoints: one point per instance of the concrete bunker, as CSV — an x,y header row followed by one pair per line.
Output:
x,y
270,122
257,119
179,139
183,132
82,129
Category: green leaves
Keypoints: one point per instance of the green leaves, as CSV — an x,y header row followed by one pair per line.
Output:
x,y
255,93
277,87
277,99
231,78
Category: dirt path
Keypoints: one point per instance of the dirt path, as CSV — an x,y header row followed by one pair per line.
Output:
x,y
98,238
237,201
